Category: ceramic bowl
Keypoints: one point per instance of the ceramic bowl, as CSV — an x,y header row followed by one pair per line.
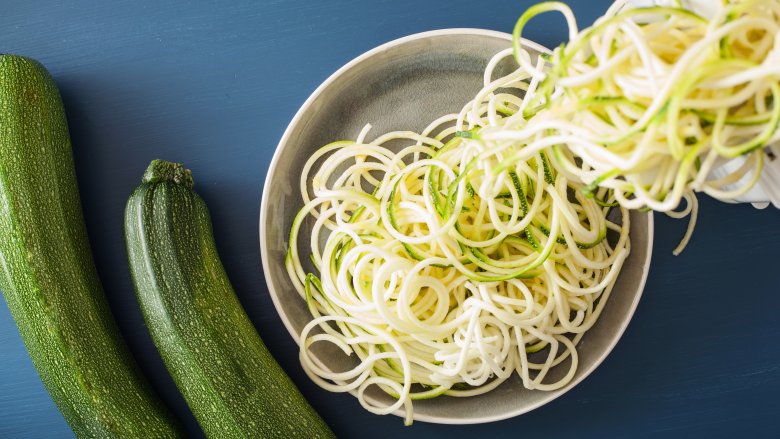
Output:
x,y
404,85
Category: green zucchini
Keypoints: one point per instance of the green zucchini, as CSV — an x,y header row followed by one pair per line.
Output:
x,y
48,276
230,381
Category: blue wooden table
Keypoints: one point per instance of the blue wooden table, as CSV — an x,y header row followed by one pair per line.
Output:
x,y
213,84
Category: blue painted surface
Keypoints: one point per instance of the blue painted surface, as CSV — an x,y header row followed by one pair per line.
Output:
x,y
213,84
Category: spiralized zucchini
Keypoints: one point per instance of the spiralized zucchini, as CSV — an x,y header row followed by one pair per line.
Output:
x,y
486,245
443,271
648,101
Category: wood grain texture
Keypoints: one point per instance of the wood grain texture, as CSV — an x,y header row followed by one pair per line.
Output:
x,y
213,84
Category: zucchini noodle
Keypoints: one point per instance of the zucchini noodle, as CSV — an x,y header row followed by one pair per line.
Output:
x,y
444,271
649,101
446,261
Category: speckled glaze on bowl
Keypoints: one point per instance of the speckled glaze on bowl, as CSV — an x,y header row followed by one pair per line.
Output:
x,y
404,85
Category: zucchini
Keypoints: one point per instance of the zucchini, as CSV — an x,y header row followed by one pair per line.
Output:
x,y
48,276
229,379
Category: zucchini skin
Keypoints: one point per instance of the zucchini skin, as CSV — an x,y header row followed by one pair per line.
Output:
x,y
47,273
230,381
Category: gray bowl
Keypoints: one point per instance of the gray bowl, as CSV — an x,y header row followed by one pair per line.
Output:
x,y
404,85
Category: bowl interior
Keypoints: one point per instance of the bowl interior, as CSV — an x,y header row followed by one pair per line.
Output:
x,y
404,85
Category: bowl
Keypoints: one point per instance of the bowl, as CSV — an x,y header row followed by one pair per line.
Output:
x,y
404,85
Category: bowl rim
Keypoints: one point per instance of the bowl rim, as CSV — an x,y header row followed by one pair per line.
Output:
x,y
550,396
